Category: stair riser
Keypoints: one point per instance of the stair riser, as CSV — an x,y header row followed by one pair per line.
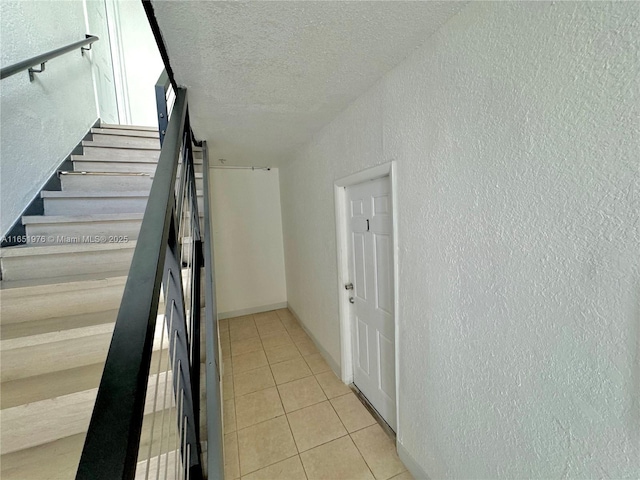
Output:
x,y
124,141
94,205
112,183
128,128
89,206
85,232
160,466
61,456
58,304
57,265
199,185
42,354
53,357
125,167
49,420
107,153
126,133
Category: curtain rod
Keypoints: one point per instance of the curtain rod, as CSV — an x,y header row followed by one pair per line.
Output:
x,y
230,167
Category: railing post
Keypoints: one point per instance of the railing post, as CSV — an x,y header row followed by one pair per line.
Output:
x,y
113,438
180,350
161,104
215,461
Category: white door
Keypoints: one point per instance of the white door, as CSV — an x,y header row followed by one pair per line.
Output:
x,y
103,76
369,214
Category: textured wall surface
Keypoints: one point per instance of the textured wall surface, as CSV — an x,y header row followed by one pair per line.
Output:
x,y
516,133
247,236
41,122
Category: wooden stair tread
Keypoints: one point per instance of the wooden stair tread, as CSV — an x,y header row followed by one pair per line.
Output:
x,y
142,128
31,250
56,384
87,158
98,144
27,288
59,459
128,132
114,174
100,217
48,325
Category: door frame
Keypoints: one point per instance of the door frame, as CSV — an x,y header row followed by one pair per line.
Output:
x,y
342,243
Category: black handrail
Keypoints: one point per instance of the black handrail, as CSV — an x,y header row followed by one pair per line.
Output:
x,y
45,57
113,439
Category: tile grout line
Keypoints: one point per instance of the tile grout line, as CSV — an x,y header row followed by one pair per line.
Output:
x,y
286,418
286,414
351,438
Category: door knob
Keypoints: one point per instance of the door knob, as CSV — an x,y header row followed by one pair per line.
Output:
x,y
352,300
348,286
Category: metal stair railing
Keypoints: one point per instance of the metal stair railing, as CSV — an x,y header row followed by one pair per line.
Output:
x,y
147,416
45,57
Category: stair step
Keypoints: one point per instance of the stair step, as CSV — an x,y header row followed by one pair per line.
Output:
x,y
99,228
62,350
55,324
54,460
89,158
160,466
140,128
29,303
199,182
51,352
125,141
59,459
113,182
109,166
126,132
106,150
39,423
56,384
53,261
87,203
197,159
76,202
50,385
103,165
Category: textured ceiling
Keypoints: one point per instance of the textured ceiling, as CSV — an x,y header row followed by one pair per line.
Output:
x,y
263,76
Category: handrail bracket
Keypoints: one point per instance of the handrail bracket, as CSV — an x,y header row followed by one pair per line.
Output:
x,y
85,49
32,70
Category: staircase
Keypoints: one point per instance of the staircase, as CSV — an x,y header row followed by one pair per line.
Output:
x,y
59,299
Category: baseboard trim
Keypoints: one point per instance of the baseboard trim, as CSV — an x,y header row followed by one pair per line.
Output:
x,y
252,310
332,363
416,470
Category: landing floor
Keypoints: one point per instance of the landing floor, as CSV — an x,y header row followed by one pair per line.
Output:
x,y
287,416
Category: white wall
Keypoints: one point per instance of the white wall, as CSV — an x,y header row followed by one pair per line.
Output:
x,y
516,133
42,121
140,59
247,236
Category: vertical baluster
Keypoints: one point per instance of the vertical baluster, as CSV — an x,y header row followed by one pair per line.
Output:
x,y
164,397
179,401
185,465
155,395
188,461
174,366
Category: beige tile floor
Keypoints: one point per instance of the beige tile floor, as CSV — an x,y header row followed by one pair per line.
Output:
x,y
287,416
